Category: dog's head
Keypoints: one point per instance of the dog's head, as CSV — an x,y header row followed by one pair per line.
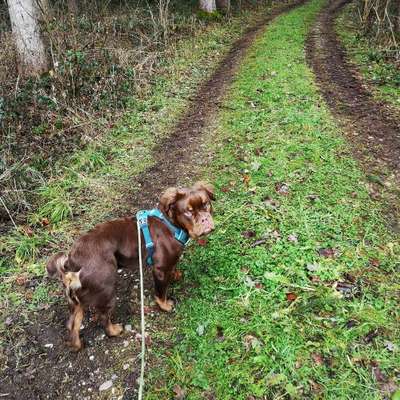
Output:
x,y
190,208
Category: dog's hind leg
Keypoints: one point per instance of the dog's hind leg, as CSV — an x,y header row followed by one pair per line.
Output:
x,y
105,318
75,322
71,318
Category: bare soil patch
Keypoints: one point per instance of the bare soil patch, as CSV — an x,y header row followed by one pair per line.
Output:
x,y
37,364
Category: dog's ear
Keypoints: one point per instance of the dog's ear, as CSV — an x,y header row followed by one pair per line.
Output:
x,y
169,198
207,187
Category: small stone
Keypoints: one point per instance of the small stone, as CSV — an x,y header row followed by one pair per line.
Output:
x,y
114,377
128,328
91,358
126,343
390,346
105,386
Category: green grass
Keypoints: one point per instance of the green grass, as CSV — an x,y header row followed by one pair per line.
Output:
x,y
284,300
371,58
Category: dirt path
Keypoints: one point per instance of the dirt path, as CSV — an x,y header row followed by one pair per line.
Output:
x,y
37,363
370,125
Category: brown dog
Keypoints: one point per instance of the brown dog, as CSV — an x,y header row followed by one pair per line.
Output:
x,y
88,272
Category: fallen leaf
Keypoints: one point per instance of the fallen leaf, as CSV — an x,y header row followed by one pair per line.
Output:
x,y
248,234
179,393
293,238
202,242
220,334
276,235
389,387
374,262
138,338
371,336
45,222
378,374
259,285
315,387
351,323
291,296
313,198
347,289
246,180
27,230
29,295
317,358
327,252
251,342
282,188
21,280
271,203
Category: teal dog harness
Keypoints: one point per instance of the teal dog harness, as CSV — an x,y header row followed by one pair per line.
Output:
x,y
142,217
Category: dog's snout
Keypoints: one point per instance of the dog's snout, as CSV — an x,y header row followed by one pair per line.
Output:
x,y
209,230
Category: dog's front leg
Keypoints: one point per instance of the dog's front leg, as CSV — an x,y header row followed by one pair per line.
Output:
x,y
162,278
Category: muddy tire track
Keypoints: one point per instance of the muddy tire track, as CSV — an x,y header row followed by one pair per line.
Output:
x,y
37,363
370,125
175,154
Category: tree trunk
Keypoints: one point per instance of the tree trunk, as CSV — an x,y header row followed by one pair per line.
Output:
x,y
208,6
24,16
224,5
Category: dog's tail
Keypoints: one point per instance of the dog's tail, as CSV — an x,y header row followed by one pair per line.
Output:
x,y
57,267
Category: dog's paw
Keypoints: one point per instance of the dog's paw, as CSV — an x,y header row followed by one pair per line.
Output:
x,y
166,305
114,329
75,345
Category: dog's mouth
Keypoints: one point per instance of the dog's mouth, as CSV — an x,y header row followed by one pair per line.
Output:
x,y
198,235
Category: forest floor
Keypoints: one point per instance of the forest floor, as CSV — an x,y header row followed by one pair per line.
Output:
x,y
296,293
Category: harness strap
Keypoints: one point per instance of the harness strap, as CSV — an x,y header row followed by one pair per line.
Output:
x,y
142,218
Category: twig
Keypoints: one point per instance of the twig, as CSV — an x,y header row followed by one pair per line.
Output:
x,y
8,212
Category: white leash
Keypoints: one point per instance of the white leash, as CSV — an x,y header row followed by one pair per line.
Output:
x,y
143,352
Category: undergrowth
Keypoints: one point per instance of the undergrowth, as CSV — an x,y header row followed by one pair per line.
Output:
x,y
376,62
102,56
295,295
